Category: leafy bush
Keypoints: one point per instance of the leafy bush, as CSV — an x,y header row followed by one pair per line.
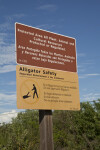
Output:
x,y
72,130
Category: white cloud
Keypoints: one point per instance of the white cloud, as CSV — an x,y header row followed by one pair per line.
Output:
x,y
5,26
7,51
8,92
81,54
7,117
7,54
45,26
11,83
7,59
93,74
7,68
89,75
97,94
85,89
90,97
1,41
88,63
48,7
81,68
7,99
10,21
2,37
15,16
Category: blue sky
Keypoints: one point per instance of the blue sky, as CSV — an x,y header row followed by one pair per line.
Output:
x,y
75,18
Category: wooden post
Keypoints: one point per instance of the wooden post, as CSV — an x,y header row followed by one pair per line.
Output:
x,y
46,130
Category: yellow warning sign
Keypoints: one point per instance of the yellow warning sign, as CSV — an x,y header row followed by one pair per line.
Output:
x,y
39,88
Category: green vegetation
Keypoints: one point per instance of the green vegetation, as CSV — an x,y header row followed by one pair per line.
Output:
x,y
72,130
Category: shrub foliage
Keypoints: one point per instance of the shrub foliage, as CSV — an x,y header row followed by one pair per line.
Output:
x,y
72,130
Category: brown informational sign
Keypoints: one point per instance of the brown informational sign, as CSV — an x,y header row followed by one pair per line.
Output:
x,y
40,88
40,48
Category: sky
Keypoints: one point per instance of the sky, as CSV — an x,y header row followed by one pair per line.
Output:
x,y
79,19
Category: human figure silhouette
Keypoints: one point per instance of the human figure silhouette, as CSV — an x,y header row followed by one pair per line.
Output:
x,y
35,91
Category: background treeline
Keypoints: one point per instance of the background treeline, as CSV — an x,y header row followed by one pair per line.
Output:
x,y
72,130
